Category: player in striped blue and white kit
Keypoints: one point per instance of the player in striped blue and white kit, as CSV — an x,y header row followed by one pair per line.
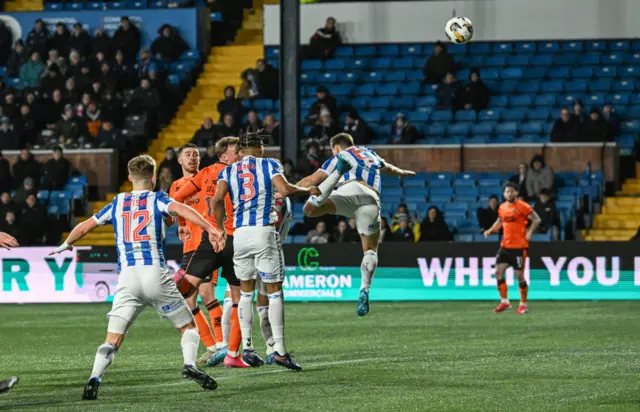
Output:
x,y
356,172
138,223
251,184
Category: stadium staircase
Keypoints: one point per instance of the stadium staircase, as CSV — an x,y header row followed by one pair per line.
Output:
x,y
620,216
23,5
222,68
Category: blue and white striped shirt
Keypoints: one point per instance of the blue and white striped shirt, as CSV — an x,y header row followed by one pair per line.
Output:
x,y
366,165
138,223
251,190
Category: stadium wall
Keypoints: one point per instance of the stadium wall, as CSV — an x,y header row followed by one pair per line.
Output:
x,y
412,21
406,272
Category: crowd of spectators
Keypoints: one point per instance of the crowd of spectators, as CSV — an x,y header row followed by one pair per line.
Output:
x,y
601,125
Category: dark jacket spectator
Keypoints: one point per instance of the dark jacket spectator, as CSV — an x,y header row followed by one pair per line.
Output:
x,y
84,79
127,39
325,128
33,218
324,41
69,129
267,80
540,176
60,40
403,132
146,65
71,92
10,106
54,107
111,107
566,128
319,235
475,95
101,42
358,129
488,216
209,157
146,97
433,228
26,166
17,58
74,66
520,180
26,125
311,160
595,128
613,120
12,226
37,38
31,71
56,171
205,134
227,128
230,105
7,204
6,180
325,100
6,41
108,78
438,65
171,162
344,234
253,123
111,137
448,94
170,45
96,63
52,81
79,40
578,111
125,72
549,217
272,130
27,188
9,139
404,231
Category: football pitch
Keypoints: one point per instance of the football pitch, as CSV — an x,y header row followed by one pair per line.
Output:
x,y
455,356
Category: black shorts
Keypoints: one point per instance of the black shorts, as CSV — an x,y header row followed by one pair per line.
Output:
x,y
186,258
515,258
204,261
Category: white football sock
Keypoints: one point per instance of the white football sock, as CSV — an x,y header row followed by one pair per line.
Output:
x,y
245,314
276,318
104,357
368,268
226,324
189,344
326,188
265,328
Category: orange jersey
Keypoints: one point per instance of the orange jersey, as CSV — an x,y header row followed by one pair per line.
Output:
x,y
515,218
195,202
205,183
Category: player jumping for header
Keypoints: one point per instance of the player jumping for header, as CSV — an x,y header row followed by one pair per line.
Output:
x,y
513,216
138,222
356,171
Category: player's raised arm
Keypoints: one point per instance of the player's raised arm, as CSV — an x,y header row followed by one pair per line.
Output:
x,y
286,189
7,241
76,234
392,170
496,225
187,212
313,180
222,188
187,191
535,222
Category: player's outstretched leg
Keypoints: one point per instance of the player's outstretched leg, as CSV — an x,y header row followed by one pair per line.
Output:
x,y
245,314
367,270
233,358
104,357
327,186
276,317
189,344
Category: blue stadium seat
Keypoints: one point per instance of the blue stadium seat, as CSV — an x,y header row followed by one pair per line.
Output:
x,y
458,129
535,72
576,85
507,128
505,86
631,126
596,45
479,48
365,90
410,88
615,58
469,226
514,114
464,238
75,6
538,114
426,101
565,59
619,45
308,65
465,116
380,103
620,85
415,75
340,89
394,76
386,89
522,100
606,71
373,77
381,63
411,49
595,99
454,49
360,103
519,60
502,47
582,72
349,76
52,6
465,179
388,50
558,72
335,64
511,73
545,100
116,5
630,71
495,61
571,46
531,86
552,86
482,129
591,59
418,117
441,116
599,85
403,102
531,128
525,47
440,178
491,114
403,63
360,63
498,101
548,47
542,60
143,4
436,129
365,50
489,74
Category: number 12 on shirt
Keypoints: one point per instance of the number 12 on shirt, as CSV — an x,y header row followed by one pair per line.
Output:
x,y
129,218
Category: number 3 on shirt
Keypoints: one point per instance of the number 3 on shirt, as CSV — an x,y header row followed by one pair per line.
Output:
x,y
137,237
247,185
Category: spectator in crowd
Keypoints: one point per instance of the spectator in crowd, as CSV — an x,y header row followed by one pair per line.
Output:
x,y
205,134
566,128
448,92
111,137
230,105
69,129
111,107
146,65
403,132
54,107
108,79
343,233
613,120
61,39
37,38
475,95
170,162
97,60
546,209
578,110
253,122
326,101
325,127
33,217
319,235
101,42
4,88
488,216
12,227
595,128
27,188
404,232
96,90
26,126
312,159
520,180
9,139
433,228
146,97
75,64
249,86
52,81
71,93
169,46
267,79
324,41
385,233
125,73
272,129
6,180
228,127
358,129
10,106
81,107
209,156
127,39
6,40
93,120
438,65
84,79
402,210
289,171
31,71
540,176
165,179
55,59
17,58
80,41
7,205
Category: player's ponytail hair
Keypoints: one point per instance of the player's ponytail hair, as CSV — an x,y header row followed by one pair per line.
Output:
x,y
142,167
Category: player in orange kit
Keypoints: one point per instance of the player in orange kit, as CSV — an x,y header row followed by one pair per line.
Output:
x,y
513,216
204,260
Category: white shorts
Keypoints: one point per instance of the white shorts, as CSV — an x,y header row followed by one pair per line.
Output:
x,y
142,286
355,200
257,250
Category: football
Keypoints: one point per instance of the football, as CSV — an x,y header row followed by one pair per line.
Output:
x,y
459,30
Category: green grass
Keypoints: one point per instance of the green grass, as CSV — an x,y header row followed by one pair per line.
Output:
x,y
577,356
